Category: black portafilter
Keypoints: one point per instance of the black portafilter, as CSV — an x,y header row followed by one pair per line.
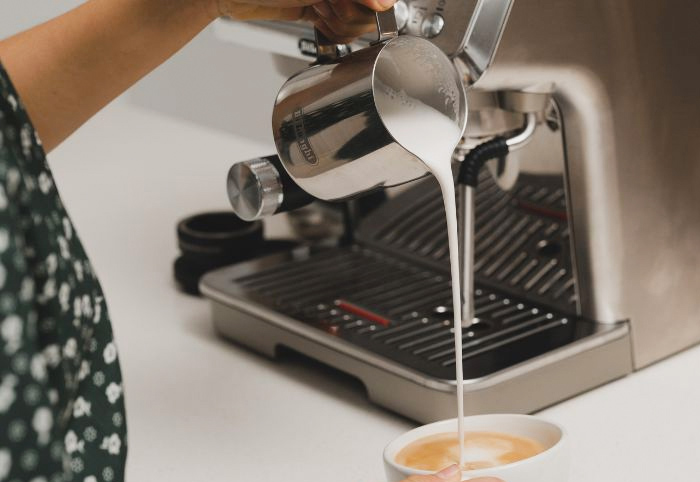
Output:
x,y
261,187
212,240
256,188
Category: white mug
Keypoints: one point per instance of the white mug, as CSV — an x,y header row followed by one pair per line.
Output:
x,y
551,465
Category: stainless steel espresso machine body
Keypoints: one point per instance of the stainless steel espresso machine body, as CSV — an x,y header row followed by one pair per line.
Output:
x,y
586,262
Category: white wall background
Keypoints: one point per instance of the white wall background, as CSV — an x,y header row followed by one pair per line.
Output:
x,y
210,82
17,15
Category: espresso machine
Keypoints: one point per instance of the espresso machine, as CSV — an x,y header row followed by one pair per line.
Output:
x,y
584,236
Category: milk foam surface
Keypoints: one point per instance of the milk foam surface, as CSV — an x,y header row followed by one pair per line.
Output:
x,y
432,137
482,450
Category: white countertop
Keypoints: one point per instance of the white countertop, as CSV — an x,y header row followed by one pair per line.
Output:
x,y
202,409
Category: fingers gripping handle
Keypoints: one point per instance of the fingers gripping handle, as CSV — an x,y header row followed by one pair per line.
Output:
x,y
327,50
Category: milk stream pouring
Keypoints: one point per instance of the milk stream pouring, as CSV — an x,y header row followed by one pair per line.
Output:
x,y
374,118
432,137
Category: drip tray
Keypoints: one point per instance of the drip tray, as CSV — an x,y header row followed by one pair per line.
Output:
x,y
388,323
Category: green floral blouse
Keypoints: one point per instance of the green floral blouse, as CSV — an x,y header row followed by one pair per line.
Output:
x,y
61,403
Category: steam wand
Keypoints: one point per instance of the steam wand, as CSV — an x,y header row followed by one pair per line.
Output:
x,y
467,181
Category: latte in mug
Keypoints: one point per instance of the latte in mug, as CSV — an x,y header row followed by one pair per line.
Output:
x,y
482,450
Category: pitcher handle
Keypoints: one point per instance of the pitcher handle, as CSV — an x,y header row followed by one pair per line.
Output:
x,y
387,29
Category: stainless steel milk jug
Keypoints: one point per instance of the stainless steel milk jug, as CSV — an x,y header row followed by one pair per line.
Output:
x,y
329,134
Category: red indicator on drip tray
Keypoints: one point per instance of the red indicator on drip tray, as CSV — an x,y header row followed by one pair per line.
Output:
x,y
543,211
362,313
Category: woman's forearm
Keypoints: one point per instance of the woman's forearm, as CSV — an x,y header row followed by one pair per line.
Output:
x,y
70,67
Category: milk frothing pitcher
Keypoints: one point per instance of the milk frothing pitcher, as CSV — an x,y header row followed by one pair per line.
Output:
x,y
331,136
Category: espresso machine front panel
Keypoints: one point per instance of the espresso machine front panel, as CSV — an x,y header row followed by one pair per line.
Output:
x,y
379,308
587,263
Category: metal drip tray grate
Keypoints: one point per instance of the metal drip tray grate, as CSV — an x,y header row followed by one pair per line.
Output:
x,y
521,237
380,309
400,311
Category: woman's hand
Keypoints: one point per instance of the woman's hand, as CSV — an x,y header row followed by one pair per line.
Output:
x,y
450,474
340,20
70,67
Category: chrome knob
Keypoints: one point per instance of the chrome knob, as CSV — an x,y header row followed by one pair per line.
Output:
x,y
432,25
401,12
254,189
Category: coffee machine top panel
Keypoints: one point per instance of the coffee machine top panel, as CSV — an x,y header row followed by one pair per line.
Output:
x,y
426,18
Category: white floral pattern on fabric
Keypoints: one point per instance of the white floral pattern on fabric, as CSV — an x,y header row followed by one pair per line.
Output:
x,y
110,353
61,397
42,424
112,444
81,407
113,392
7,392
5,463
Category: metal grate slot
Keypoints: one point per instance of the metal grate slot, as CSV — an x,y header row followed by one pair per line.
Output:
x,y
401,295
402,229
527,269
507,311
390,288
291,290
556,197
427,299
467,345
508,341
537,277
427,339
401,328
484,310
569,285
399,224
516,245
294,271
441,251
490,225
539,194
419,228
512,266
428,239
546,286
368,329
526,190
498,207
426,328
520,316
551,229
499,232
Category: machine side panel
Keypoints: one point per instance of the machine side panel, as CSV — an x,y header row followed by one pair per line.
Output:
x,y
625,75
